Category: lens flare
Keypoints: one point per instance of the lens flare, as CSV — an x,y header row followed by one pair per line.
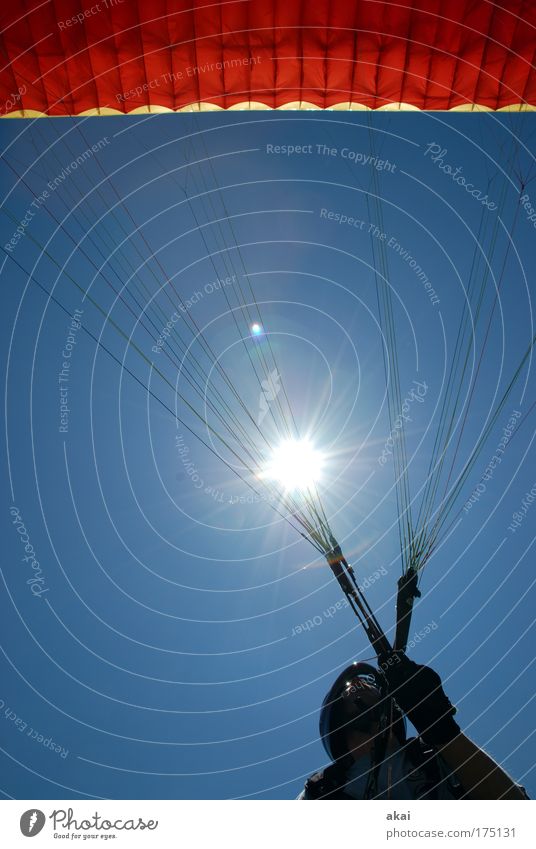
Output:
x,y
256,329
295,464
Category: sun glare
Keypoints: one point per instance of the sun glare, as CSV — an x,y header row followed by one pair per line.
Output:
x,y
294,464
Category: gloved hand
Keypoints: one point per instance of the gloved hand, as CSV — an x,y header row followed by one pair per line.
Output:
x,y
418,692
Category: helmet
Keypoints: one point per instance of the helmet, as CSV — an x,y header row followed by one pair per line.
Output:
x,y
334,722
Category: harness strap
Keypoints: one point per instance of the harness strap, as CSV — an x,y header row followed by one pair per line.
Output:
x,y
330,782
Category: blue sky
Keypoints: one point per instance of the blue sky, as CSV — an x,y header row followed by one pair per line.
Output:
x,y
166,656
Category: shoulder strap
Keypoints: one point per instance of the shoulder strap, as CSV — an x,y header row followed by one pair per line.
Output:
x,y
329,783
426,760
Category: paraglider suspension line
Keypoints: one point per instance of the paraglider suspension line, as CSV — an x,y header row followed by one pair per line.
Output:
x,y
345,576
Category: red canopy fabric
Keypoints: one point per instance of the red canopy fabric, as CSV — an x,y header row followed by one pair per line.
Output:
x,y
66,57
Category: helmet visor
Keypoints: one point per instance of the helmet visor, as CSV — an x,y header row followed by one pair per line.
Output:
x,y
361,704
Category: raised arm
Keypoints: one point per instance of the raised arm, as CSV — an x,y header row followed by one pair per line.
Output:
x,y
419,693
481,777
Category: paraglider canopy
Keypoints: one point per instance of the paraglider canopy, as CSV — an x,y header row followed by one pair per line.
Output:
x,y
153,56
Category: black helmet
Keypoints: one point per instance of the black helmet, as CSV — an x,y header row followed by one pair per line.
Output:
x,y
333,724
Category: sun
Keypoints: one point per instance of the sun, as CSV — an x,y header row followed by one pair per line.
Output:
x,y
295,464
